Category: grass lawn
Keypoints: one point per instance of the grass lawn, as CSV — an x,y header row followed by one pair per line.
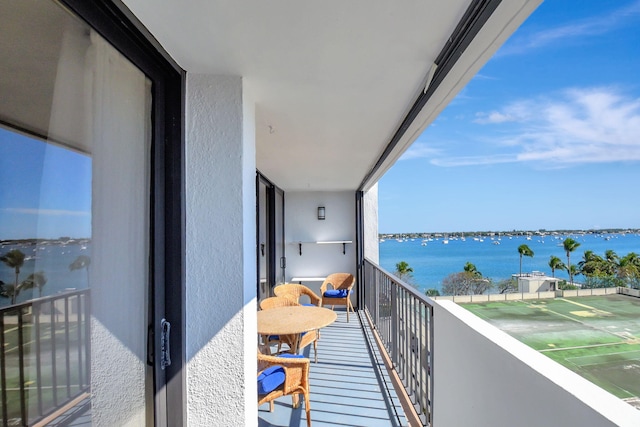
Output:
x,y
596,337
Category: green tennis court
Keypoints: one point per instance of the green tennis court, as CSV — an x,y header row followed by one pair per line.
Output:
x,y
596,337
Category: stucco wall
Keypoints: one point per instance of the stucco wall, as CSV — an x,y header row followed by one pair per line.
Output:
x,y
484,377
302,225
220,252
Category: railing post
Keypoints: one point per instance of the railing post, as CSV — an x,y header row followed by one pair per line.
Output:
x,y
3,373
23,397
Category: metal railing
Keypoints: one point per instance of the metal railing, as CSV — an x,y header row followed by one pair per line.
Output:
x,y
44,356
403,319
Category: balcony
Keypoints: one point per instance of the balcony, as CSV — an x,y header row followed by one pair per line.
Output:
x,y
453,368
448,368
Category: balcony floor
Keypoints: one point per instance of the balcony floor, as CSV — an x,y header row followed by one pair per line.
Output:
x,y
347,388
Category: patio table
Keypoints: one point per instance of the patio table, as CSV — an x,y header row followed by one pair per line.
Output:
x,y
294,321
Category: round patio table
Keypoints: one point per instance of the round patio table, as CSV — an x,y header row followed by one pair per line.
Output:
x,y
294,321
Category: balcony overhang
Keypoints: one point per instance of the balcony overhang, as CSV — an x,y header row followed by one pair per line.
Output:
x,y
332,81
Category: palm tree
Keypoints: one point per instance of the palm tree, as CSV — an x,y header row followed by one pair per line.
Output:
x,y
471,268
524,250
84,261
402,268
14,259
556,264
35,280
432,292
569,246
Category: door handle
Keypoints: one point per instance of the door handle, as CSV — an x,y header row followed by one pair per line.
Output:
x,y
165,344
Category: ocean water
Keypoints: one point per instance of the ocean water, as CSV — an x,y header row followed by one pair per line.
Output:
x,y
54,260
435,261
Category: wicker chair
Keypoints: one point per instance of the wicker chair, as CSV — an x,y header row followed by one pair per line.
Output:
x,y
306,338
339,294
280,301
295,381
295,290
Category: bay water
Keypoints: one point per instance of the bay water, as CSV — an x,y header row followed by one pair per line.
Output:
x,y
53,259
495,257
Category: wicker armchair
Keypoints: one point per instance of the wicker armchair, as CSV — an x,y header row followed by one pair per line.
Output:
x,y
296,291
273,385
280,301
306,338
336,290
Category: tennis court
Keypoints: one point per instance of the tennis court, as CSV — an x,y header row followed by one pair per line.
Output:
x,y
596,337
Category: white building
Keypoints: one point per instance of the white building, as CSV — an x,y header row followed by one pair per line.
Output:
x,y
536,282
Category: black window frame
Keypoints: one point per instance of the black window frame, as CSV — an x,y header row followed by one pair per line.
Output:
x,y
117,24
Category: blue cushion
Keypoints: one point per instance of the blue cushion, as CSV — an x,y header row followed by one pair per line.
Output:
x,y
274,337
336,293
309,305
291,356
270,379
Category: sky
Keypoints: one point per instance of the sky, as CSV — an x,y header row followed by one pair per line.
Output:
x,y
45,190
545,136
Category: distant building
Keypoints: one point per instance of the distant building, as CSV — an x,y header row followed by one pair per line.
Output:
x,y
536,281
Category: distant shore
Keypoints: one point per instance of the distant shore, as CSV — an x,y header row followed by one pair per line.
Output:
x,y
507,233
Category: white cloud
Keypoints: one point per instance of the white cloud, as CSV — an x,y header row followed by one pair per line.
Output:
x,y
47,212
420,150
593,26
577,126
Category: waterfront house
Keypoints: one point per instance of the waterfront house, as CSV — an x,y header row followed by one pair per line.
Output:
x,y
237,145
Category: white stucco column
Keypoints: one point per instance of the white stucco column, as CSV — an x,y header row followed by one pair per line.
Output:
x,y
220,252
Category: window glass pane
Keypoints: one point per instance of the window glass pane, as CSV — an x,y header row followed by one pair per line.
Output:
x,y
75,138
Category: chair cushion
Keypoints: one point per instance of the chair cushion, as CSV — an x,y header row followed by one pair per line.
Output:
x,y
336,293
274,337
309,305
291,356
270,379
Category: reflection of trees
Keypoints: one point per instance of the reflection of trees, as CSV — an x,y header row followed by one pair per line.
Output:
x,y
34,280
12,259
83,261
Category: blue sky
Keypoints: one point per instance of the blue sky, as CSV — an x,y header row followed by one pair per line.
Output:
x,y
546,135
46,190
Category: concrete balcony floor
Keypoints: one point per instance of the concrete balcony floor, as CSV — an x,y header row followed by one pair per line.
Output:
x,y
349,385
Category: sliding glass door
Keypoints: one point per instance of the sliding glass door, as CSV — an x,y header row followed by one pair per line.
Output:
x,y
82,219
270,233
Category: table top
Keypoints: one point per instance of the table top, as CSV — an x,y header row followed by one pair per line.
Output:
x,y
293,320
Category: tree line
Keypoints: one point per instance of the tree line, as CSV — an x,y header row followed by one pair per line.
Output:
x,y
599,272
15,259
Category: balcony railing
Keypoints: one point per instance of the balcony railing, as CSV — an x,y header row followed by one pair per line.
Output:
x,y
44,356
403,319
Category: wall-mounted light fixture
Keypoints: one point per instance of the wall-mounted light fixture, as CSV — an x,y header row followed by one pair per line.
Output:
x,y
321,212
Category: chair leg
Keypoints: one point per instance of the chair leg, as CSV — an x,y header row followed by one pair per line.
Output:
x,y
295,400
315,349
271,406
307,408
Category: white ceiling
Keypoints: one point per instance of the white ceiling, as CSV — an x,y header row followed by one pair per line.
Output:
x,y
332,80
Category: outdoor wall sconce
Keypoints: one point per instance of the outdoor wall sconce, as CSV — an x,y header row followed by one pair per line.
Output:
x,y
321,213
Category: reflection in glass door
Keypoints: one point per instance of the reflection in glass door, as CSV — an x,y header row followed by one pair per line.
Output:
x,y
75,144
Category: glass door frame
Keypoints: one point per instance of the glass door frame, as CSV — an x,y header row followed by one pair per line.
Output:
x,y
119,27
273,265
